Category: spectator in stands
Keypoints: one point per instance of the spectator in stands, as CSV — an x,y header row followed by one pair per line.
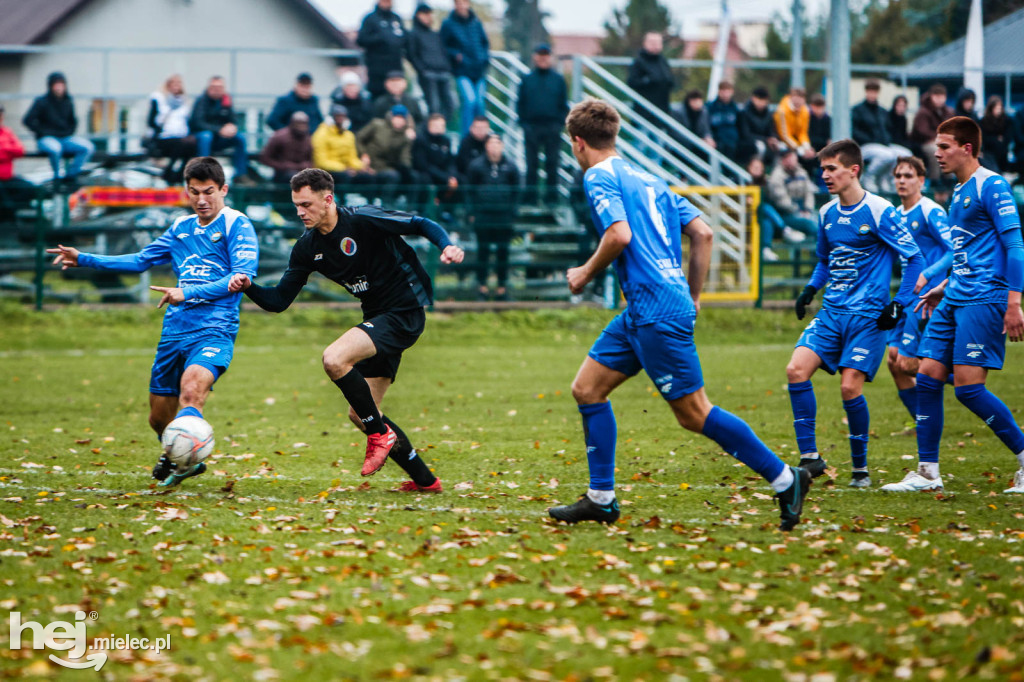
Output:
x,y
996,133
966,103
388,143
932,112
768,219
433,161
213,125
870,122
819,128
15,192
169,110
289,150
792,122
542,106
351,95
383,39
427,54
694,117
468,49
335,150
757,128
1018,145
52,118
723,118
898,133
651,76
472,145
301,98
396,91
791,194
493,182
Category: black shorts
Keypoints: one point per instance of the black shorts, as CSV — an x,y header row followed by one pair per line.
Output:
x,y
391,333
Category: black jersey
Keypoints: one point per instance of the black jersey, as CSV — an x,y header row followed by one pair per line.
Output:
x,y
364,253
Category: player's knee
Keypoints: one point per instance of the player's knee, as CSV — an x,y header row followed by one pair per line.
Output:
x,y
909,366
795,373
335,365
585,395
850,389
691,420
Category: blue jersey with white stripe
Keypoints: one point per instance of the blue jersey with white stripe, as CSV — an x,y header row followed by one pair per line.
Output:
x,y
860,244
203,257
928,223
650,268
980,209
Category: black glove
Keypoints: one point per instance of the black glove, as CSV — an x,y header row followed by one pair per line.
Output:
x,y
890,316
803,300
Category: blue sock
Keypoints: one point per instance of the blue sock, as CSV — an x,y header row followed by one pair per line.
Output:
x,y
930,417
739,440
805,410
600,434
189,412
859,422
909,398
993,412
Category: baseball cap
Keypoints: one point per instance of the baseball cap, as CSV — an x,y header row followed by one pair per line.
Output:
x,y
399,110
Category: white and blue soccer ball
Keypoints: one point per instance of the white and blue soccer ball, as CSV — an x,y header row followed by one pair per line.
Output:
x,y
187,441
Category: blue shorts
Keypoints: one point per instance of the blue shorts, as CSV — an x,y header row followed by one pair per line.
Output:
x,y
906,337
966,335
212,351
665,350
845,341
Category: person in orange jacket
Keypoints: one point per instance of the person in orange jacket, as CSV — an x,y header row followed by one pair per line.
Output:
x,y
793,121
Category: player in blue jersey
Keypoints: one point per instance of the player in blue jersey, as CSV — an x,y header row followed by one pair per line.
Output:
x,y
197,342
642,222
972,313
860,239
928,224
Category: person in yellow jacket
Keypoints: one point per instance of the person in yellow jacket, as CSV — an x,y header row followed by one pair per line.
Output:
x,y
793,122
335,150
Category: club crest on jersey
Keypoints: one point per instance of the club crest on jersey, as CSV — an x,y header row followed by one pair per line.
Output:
x,y
864,229
216,237
967,202
915,225
348,246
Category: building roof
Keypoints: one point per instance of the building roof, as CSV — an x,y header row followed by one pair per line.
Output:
x,y
32,23
1003,39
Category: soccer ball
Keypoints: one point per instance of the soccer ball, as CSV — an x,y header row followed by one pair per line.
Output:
x,y
187,441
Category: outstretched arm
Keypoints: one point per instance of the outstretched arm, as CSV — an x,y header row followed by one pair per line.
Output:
x,y
157,252
400,223
615,239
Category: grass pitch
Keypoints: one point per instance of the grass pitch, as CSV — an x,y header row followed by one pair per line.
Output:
x,y
282,562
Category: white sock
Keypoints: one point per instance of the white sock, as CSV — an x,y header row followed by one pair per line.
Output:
x,y
929,470
601,496
783,480
862,470
810,455
1020,459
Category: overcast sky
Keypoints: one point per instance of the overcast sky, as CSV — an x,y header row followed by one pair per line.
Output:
x,y
581,16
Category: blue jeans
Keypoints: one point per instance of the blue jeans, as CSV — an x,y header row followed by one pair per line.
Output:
x,y
55,147
471,96
208,142
771,221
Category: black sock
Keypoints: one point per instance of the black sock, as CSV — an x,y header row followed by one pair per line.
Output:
x,y
405,456
357,393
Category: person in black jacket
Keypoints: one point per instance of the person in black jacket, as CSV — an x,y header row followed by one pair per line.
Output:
x,y
651,76
758,136
52,119
542,107
472,145
898,132
213,125
427,54
433,161
351,95
723,119
396,92
870,122
493,182
382,37
301,98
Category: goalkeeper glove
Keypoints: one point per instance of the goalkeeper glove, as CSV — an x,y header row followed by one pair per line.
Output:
x,y
890,316
803,300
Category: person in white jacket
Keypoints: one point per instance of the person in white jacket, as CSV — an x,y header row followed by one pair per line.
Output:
x,y
169,111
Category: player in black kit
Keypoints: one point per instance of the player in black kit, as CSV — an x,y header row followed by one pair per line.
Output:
x,y
362,250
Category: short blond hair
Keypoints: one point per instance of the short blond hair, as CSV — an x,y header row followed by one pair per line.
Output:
x,y
595,122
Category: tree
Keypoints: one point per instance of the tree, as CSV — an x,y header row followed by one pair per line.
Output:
x,y
524,26
624,31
